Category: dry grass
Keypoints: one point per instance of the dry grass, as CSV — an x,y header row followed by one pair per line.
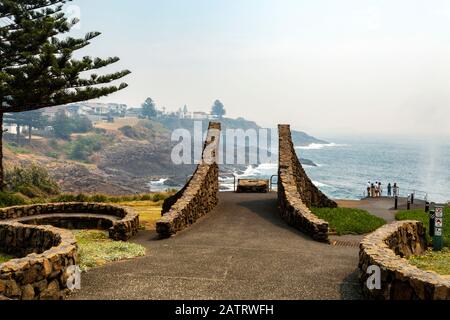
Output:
x,y
118,123
149,212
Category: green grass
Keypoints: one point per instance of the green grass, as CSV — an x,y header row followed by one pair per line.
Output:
x,y
16,149
4,258
435,261
96,249
348,220
420,215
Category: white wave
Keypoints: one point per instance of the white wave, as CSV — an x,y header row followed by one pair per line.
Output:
x,y
264,169
158,185
159,182
320,184
318,146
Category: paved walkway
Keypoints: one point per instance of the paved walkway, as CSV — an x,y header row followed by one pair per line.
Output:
x,y
381,207
241,250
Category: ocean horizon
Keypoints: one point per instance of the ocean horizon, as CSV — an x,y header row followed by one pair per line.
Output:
x,y
345,165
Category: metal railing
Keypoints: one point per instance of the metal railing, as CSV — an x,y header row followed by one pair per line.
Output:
x,y
271,183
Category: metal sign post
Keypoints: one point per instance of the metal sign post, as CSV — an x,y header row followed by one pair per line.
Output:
x,y
438,226
432,217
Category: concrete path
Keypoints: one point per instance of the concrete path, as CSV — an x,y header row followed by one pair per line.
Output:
x,y
241,250
381,207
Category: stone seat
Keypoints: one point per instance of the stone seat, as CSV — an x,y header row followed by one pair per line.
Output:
x,y
71,220
253,186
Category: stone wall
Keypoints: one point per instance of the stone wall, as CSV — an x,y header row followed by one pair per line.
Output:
x,y
199,196
41,271
123,228
388,248
297,193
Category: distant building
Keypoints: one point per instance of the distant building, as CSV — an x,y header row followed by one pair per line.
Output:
x,y
94,111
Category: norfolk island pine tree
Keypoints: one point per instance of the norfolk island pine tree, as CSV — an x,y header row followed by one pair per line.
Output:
x,y
37,68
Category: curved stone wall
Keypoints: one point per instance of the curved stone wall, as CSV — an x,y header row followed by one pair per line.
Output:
x,y
124,221
388,248
42,269
297,193
199,196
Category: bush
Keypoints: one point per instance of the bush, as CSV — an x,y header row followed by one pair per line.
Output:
x,y
52,154
84,147
10,199
105,199
81,197
33,181
98,198
159,196
63,126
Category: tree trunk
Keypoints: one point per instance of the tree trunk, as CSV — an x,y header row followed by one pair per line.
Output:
x,y
2,173
29,133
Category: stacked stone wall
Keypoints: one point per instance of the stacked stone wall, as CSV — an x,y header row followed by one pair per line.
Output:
x,y
124,226
199,196
297,193
387,250
44,257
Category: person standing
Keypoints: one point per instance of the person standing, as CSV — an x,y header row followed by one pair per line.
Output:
x,y
376,189
368,189
389,190
372,190
395,189
380,189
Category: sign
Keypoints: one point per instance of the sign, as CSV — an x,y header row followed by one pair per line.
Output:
x,y
438,223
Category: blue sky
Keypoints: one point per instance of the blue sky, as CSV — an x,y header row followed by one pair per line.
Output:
x,y
328,67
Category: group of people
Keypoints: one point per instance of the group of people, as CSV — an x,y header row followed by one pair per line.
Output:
x,y
375,189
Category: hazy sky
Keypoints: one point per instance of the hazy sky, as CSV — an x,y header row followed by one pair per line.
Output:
x,y
327,67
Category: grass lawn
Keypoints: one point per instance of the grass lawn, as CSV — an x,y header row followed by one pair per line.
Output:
x,y
4,258
349,220
96,249
420,215
149,212
435,261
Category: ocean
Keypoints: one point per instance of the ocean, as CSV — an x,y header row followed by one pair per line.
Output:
x,y
345,166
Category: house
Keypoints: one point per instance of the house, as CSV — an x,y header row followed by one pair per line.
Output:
x,y
91,110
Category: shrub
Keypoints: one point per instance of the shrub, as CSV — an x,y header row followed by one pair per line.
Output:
x,y
146,197
158,197
105,198
84,147
63,126
33,181
10,199
52,154
98,198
